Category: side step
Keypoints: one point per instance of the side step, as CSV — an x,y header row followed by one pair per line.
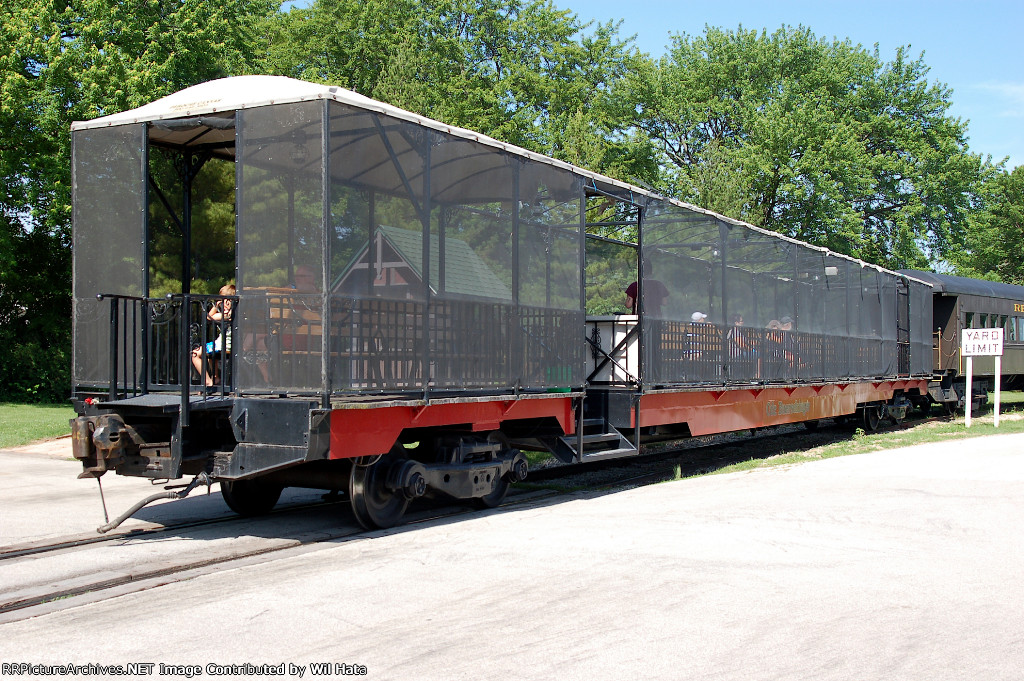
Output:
x,y
945,395
600,441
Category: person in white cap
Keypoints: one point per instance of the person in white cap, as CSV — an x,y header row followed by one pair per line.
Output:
x,y
697,338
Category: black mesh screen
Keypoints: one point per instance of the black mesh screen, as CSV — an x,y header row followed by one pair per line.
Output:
x,y
280,247
454,265
109,227
743,306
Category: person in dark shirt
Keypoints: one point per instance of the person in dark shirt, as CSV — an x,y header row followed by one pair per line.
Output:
x,y
655,294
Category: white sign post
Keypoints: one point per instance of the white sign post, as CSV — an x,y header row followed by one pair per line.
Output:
x,y
981,343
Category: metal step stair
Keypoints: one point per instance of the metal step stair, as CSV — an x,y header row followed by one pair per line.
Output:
x,y
600,441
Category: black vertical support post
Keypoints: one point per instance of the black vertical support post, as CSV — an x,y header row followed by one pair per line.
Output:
x,y
183,361
113,348
548,254
846,310
124,345
291,230
795,297
723,237
186,226
581,403
517,355
239,273
442,260
135,348
425,209
190,170
146,350
640,271
371,207
328,228
641,213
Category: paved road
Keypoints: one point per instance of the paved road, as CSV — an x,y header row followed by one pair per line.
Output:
x,y
897,565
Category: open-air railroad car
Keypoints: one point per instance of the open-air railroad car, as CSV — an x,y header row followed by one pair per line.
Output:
x,y
417,303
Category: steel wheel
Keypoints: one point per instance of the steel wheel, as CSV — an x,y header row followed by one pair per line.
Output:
x,y
871,419
374,505
496,496
250,497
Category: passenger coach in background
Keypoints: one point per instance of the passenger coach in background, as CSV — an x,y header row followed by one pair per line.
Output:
x,y
416,303
960,303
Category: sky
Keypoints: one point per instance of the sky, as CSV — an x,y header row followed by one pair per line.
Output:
x,y
975,47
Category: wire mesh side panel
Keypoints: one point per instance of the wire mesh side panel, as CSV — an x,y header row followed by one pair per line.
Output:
x,y
551,321
109,185
472,252
377,344
477,249
745,306
280,247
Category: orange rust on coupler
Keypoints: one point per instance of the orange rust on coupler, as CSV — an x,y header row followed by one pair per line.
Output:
x,y
100,443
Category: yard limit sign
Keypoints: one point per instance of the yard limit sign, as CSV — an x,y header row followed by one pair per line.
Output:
x,y
981,343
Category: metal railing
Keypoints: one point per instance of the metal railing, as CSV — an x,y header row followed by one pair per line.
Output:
x,y
170,344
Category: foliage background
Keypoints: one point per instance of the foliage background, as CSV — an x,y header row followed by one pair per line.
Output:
x,y
818,139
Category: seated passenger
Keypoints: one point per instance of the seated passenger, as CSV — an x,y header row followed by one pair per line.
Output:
x,y
696,337
219,312
786,342
741,344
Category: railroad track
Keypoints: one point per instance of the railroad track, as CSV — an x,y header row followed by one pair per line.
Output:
x,y
682,459
76,589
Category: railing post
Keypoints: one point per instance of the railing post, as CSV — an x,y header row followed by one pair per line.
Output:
x,y
146,350
184,374
113,348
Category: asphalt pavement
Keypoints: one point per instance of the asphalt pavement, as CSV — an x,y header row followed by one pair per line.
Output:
x,y
904,564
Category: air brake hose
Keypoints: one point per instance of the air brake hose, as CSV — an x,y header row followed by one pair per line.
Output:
x,y
200,479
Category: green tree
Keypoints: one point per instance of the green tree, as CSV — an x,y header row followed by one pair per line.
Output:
x,y
523,72
996,231
816,139
64,61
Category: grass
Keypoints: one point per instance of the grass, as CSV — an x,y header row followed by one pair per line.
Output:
x,y
24,423
1011,421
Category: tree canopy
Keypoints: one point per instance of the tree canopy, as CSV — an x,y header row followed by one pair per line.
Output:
x,y
64,61
523,72
996,231
817,139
